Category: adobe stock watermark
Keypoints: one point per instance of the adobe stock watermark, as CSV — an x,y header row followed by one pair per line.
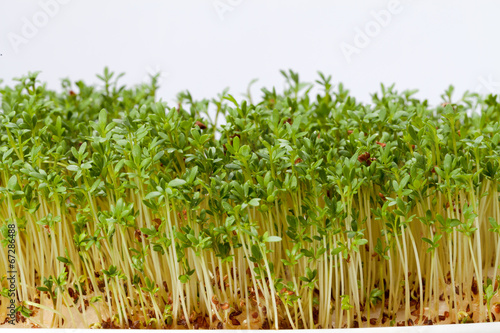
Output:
x,y
363,36
488,84
31,26
222,7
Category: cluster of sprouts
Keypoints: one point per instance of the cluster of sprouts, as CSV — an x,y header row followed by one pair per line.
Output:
x,y
302,211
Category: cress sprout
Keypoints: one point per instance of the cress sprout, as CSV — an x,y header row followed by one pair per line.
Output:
x,y
301,211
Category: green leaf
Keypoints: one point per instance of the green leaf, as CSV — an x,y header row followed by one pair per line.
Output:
x,y
63,260
427,240
95,299
271,239
102,118
158,156
12,183
256,252
395,186
176,182
152,195
72,167
254,202
149,232
233,166
236,143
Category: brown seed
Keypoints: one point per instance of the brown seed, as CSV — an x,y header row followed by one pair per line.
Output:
x,y
220,325
496,308
72,93
373,321
381,144
214,300
157,223
364,157
234,314
298,160
225,306
255,314
235,322
474,287
138,235
200,125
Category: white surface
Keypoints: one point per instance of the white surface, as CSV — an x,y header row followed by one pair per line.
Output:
x,y
207,45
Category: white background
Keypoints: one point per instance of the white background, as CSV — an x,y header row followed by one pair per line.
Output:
x,y
207,45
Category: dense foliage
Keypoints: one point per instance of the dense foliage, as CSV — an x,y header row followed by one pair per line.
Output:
x,y
301,211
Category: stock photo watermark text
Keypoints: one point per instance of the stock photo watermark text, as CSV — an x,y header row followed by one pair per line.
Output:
x,y
31,26
363,36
